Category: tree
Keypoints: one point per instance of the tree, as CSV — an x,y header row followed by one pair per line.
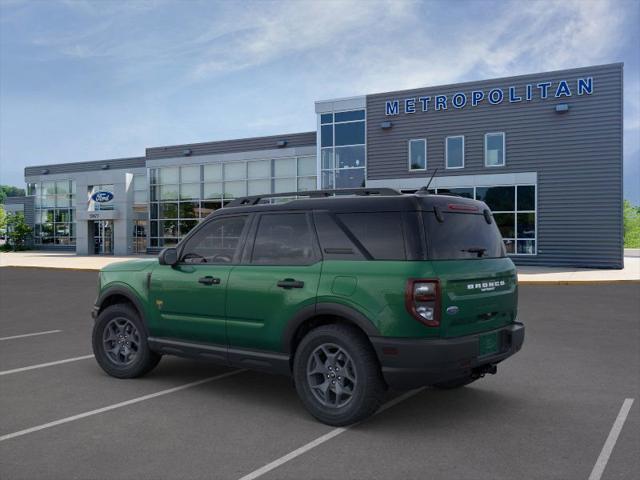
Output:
x,y
3,219
9,191
631,225
17,231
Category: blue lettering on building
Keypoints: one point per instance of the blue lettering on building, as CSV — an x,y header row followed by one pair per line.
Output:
x,y
441,102
425,103
495,96
392,107
410,105
476,97
459,100
512,95
563,89
102,197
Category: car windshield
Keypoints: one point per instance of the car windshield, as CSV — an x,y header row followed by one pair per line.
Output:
x,y
462,236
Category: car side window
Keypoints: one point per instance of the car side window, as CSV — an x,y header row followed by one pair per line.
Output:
x,y
217,242
283,239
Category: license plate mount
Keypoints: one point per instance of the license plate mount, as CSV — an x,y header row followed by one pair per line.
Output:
x,y
488,344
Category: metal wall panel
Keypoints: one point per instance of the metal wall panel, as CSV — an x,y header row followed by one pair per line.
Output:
x,y
97,165
230,146
577,155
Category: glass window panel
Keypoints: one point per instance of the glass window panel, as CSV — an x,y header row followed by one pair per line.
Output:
x,y
73,187
257,187
169,228
139,182
213,190
189,190
284,167
190,174
526,197
306,183
497,198
349,157
154,176
326,118
168,175
169,192
526,225
259,169
494,149
168,210
216,242
140,196
350,178
349,133
49,201
189,209
186,226
417,154
506,224
510,246
284,185
327,158
62,216
349,116
62,201
283,239
235,189
213,172
154,229
455,152
49,188
327,180
154,190
154,210
209,207
306,166
167,242
380,233
326,135
62,187
235,171
526,247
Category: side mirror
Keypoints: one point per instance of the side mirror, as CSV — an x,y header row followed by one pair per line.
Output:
x,y
168,256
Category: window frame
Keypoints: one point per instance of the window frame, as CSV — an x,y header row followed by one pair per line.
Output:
x,y
426,163
446,152
204,224
247,255
504,149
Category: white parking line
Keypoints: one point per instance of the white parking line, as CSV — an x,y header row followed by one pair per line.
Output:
x,y
324,438
29,335
117,405
601,463
43,365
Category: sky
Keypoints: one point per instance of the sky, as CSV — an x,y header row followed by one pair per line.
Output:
x,y
89,80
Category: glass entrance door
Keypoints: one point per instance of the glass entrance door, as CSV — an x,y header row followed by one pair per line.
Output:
x,y
103,237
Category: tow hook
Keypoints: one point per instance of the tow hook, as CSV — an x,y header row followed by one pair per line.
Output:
x,y
480,372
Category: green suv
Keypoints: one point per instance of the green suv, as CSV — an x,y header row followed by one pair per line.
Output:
x,y
350,292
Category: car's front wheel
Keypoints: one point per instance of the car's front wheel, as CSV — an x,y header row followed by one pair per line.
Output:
x,y
120,343
337,375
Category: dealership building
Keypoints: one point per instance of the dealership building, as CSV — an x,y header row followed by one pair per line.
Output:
x,y
544,151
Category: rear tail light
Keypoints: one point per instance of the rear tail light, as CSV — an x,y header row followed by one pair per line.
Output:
x,y
422,299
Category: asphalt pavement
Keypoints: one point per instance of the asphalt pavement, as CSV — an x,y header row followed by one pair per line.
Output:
x,y
546,415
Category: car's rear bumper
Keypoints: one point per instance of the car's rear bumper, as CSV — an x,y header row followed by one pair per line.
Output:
x,y
409,363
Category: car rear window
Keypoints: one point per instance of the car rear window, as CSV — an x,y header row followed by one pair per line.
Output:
x,y
462,236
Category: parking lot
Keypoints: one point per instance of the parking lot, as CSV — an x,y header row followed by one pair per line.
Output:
x,y
546,415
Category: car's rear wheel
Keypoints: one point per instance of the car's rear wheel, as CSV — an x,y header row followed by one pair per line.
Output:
x,y
337,375
120,343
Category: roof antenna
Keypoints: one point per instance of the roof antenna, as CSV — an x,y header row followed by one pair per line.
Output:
x,y
426,189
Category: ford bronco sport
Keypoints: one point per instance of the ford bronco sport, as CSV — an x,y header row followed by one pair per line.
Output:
x,y
350,292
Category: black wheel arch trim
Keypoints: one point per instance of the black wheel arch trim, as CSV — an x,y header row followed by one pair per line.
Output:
x,y
129,295
350,314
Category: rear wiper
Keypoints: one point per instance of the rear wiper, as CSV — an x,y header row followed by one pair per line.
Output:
x,y
479,250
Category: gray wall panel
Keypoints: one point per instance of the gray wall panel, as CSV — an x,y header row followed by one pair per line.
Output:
x,y
230,146
577,155
97,165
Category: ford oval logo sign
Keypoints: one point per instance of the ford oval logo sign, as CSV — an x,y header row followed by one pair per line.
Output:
x,y
102,197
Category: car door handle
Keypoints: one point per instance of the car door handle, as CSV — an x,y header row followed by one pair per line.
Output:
x,y
290,283
208,280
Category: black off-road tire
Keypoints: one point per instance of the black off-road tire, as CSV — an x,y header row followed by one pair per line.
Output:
x,y
367,387
123,321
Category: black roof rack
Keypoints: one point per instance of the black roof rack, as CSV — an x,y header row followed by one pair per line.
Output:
x,y
255,199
